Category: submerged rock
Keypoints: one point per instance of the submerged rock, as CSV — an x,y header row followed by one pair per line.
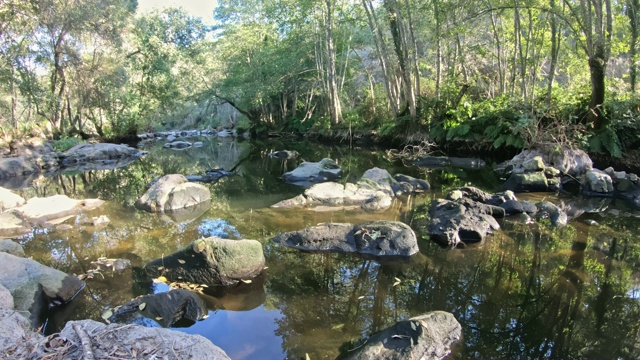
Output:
x,y
284,154
36,287
454,162
177,145
212,261
309,173
377,238
171,308
84,153
453,223
427,337
173,192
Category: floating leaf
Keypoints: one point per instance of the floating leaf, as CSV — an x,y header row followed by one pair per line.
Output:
x,y
179,277
160,279
306,356
181,261
158,318
160,267
142,306
246,281
205,316
398,281
107,314
360,297
337,327
204,286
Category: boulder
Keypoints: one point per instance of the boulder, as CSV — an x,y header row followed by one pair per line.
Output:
x,y
597,183
83,153
552,212
530,181
175,307
417,185
118,341
36,287
574,162
38,211
17,339
309,173
284,154
212,261
11,247
177,145
378,179
514,207
380,201
377,238
17,166
173,192
453,223
12,225
6,299
426,337
454,162
336,195
9,200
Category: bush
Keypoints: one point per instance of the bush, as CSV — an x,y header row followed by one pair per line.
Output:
x,y
65,144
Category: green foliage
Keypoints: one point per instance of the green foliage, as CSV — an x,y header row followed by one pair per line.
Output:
x,y
65,144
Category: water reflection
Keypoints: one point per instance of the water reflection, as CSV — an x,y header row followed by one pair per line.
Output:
x,y
530,291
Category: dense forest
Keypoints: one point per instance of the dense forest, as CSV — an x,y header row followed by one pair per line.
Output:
x,y
489,73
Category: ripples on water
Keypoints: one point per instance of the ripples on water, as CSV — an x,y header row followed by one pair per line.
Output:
x,y
529,291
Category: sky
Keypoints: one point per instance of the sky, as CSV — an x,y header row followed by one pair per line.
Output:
x,y
196,8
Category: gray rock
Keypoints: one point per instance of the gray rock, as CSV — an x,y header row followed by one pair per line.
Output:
x,y
17,166
426,337
298,201
469,192
377,238
166,308
453,223
146,342
212,261
198,144
512,207
379,202
533,181
38,211
534,164
171,138
36,287
6,299
569,161
597,182
378,179
309,173
418,185
12,225
284,154
178,145
17,340
454,162
173,192
551,211
97,152
11,247
9,200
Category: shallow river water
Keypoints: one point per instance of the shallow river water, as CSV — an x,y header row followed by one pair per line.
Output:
x,y
529,291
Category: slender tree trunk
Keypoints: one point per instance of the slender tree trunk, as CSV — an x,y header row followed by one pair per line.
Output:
x,y
555,50
335,108
632,12
436,14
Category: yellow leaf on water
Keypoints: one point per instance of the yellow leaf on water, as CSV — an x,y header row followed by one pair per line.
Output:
x,y
107,314
306,356
337,327
246,281
206,316
181,261
360,297
142,306
158,317
204,286
160,279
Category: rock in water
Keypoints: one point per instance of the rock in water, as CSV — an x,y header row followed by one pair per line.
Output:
x,y
377,238
173,192
36,287
425,337
212,261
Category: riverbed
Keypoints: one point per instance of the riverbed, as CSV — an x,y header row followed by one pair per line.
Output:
x,y
528,291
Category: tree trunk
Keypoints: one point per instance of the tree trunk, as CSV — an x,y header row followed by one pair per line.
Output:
x,y
335,108
597,68
632,13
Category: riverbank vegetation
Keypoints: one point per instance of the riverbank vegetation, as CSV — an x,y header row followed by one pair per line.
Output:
x,y
486,73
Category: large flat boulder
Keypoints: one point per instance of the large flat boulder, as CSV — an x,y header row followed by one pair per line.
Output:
x,y
309,173
9,200
97,152
36,287
12,225
212,261
38,211
173,192
452,222
377,238
427,337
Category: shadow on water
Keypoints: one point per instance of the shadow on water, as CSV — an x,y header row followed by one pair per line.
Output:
x,y
529,291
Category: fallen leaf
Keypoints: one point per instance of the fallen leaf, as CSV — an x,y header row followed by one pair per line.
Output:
x,y
107,314
398,281
181,261
160,279
205,316
360,297
142,306
158,317
306,356
337,327
204,286
246,281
